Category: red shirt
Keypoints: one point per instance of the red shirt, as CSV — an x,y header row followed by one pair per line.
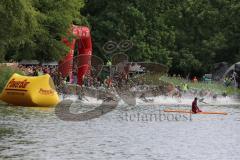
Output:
x,y
194,106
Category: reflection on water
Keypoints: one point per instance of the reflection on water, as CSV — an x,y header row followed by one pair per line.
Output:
x,y
4,131
36,133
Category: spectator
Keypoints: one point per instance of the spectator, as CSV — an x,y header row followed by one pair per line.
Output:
x,y
195,80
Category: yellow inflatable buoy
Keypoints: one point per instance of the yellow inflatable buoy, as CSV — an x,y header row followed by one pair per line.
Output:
x,y
30,91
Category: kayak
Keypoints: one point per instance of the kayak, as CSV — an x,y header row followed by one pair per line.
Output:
x,y
188,111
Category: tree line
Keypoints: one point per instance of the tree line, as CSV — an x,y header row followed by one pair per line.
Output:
x,y
188,36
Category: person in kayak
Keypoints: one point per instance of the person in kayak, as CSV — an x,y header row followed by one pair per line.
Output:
x,y
195,108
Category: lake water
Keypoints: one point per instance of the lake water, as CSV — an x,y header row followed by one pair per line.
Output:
x,y
125,133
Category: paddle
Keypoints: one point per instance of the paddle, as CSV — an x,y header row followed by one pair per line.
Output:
x,y
202,101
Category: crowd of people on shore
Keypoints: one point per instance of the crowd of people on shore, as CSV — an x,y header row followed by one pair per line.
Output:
x,y
38,70
59,81
107,82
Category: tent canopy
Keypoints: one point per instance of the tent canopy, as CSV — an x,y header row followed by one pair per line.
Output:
x,y
36,62
29,62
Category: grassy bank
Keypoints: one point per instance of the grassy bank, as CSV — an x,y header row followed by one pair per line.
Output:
x,y
5,73
215,87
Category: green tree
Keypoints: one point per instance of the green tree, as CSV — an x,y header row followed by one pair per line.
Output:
x,y
45,23
187,35
206,31
55,20
138,21
18,22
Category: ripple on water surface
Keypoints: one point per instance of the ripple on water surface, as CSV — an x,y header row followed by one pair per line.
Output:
x,y
125,133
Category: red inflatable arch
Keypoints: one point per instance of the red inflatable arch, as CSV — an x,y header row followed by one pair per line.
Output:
x,y
83,39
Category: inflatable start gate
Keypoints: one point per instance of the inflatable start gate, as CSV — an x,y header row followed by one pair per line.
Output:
x,y
30,91
83,59
40,91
